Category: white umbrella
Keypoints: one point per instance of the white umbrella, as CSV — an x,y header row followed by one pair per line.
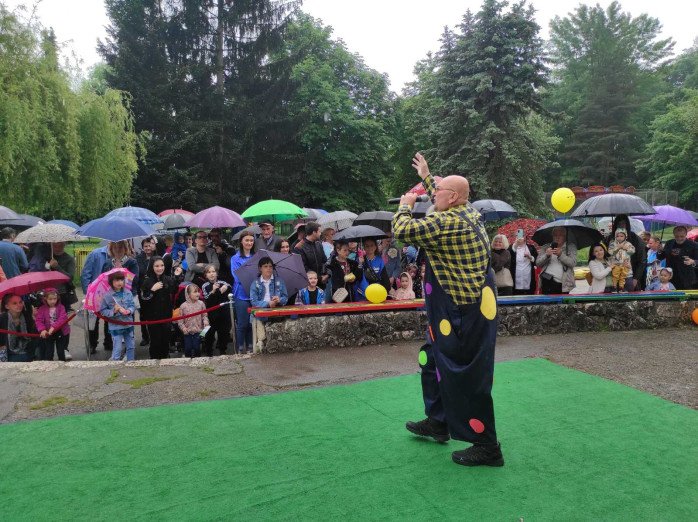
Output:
x,y
48,233
338,220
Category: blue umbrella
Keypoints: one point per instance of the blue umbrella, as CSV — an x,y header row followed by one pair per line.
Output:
x,y
139,214
64,222
115,228
289,267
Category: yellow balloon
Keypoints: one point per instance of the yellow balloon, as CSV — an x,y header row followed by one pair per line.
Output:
x,y
376,293
562,200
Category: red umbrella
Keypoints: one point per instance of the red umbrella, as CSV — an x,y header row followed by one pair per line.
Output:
x,y
175,211
693,234
31,282
529,226
419,188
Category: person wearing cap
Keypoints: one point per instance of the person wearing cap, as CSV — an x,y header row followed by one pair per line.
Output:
x,y
268,240
681,255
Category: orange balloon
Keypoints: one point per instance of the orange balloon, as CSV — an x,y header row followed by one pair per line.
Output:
x,y
695,316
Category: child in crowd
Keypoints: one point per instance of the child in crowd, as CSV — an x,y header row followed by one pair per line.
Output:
x,y
405,291
416,281
215,292
620,251
663,285
48,316
179,251
344,272
192,326
654,265
312,294
118,304
599,269
267,291
157,294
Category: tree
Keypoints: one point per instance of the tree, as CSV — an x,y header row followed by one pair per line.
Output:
x,y
44,166
604,69
489,82
671,156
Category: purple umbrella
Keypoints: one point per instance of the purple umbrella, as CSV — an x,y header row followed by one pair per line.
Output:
x,y
216,217
670,215
289,267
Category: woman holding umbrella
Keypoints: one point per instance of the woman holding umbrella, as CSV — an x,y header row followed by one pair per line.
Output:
x,y
638,261
558,259
17,319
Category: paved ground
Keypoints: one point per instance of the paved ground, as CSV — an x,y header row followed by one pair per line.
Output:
x,y
662,362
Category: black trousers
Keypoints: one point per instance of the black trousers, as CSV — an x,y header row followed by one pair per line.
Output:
x,y
220,326
550,286
94,336
159,340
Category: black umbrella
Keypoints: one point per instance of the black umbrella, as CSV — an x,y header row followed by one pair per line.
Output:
x,y
494,209
613,205
581,234
175,221
22,222
358,232
8,214
421,209
379,218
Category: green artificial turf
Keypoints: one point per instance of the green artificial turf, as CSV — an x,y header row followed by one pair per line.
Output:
x,y
577,447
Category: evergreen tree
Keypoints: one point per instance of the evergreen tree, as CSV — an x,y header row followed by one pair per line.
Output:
x,y
490,79
605,65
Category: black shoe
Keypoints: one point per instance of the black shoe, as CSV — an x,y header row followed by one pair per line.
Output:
x,y
145,342
479,455
93,350
109,347
429,428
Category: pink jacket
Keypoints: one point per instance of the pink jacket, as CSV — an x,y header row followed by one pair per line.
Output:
x,y
193,324
43,321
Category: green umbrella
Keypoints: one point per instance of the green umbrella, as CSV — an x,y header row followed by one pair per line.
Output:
x,y
273,210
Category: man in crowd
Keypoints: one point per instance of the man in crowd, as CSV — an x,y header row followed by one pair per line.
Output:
x,y
143,259
12,257
300,236
268,240
458,360
313,254
681,255
224,251
198,257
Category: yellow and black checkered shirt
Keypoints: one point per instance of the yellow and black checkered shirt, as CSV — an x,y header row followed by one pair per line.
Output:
x,y
457,255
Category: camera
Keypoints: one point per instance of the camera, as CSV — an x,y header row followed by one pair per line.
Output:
x,y
35,299
553,245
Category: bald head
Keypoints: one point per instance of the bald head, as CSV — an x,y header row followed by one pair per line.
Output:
x,y
450,192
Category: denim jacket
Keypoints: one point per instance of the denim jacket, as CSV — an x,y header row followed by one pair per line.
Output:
x,y
277,287
107,309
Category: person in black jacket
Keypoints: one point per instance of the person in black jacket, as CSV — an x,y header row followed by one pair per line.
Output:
x,y
157,295
638,261
344,272
214,292
522,254
224,251
312,253
681,256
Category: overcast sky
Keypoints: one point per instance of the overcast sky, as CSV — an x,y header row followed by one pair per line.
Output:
x,y
391,35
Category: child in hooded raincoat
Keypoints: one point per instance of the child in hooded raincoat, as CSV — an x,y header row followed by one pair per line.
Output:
x,y
405,290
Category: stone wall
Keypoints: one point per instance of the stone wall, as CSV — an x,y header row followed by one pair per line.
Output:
x,y
312,333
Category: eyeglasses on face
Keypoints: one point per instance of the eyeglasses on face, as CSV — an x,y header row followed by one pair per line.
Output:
x,y
201,237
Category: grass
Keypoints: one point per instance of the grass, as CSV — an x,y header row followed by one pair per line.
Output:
x,y
147,381
113,374
48,403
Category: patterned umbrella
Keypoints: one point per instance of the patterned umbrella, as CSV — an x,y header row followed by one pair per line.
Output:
x,y
216,217
100,286
48,233
115,228
139,214
529,226
338,220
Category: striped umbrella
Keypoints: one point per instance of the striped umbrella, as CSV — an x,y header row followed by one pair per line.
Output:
x,y
139,214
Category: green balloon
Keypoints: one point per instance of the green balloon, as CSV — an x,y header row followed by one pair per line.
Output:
x,y
422,358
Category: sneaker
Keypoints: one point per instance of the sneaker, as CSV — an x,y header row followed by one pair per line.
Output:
x,y
68,357
479,455
429,428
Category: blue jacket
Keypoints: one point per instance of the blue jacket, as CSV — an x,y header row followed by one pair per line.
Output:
x,y
14,260
107,309
93,266
277,287
239,291
304,296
